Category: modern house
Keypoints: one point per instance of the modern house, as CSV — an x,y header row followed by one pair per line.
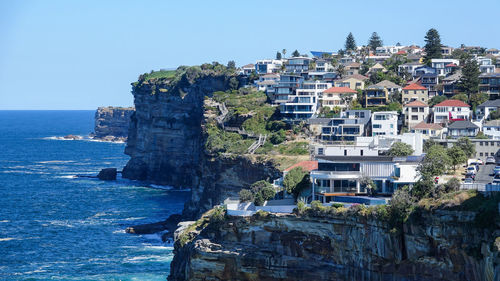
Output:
x,y
303,104
446,51
492,129
485,65
415,92
287,85
323,65
297,64
268,66
388,50
349,125
376,96
450,84
409,67
493,52
451,110
465,128
341,175
444,66
354,82
419,71
267,83
337,97
385,123
484,110
415,112
428,130
490,84
247,69
429,81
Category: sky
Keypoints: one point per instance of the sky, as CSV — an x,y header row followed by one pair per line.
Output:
x,y
69,55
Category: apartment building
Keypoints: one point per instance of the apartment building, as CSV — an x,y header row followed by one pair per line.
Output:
x,y
384,123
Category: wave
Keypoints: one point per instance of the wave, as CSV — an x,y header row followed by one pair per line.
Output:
x,y
164,187
8,239
67,177
56,162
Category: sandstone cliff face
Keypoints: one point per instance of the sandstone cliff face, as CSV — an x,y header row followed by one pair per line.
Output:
x,y
166,142
441,246
112,123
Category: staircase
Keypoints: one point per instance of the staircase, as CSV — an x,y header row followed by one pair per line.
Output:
x,y
258,143
223,113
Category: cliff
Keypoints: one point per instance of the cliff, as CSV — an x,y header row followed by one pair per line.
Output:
x,y
112,123
439,245
167,138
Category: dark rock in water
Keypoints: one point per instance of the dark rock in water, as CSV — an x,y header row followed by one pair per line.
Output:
x,y
169,224
108,174
72,137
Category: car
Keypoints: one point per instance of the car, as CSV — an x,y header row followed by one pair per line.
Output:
x,y
468,180
470,175
496,170
471,169
490,160
496,181
474,162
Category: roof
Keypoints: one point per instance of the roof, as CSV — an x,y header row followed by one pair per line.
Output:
x,y
370,158
456,103
377,66
339,90
401,52
451,65
305,165
462,125
454,77
490,103
248,65
416,103
267,82
423,125
353,64
414,86
387,84
356,76
318,121
493,123
271,75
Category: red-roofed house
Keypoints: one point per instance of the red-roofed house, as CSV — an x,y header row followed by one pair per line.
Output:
x,y
451,109
305,165
428,130
415,112
338,97
414,92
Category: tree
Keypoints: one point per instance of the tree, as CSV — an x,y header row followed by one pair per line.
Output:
x,y
432,46
452,184
400,149
262,191
278,55
340,70
457,156
469,82
233,83
476,99
246,195
435,100
231,64
374,41
428,144
368,183
350,43
435,162
467,146
295,181
278,137
461,97
481,135
423,188
295,54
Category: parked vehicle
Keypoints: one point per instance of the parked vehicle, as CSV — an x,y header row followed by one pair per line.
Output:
x,y
496,170
496,181
490,160
474,162
470,176
468,181
471,169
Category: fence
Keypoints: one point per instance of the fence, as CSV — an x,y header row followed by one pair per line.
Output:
x,y
481,187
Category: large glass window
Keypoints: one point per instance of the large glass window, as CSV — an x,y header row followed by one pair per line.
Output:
x,y
338,167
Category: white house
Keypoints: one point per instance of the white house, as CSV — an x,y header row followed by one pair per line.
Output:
x,y
441,65
414,113
450,110
385,123
409,68
267,82
337,97
303,103
492,129
484,110
485,65
247,69
388,50
268,66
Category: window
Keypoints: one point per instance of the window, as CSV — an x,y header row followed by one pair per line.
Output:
x,y
492,143
345,152
481,143
377,126
392,126
492,154
361,152
321,151
325,183
480,154
414,117
339,167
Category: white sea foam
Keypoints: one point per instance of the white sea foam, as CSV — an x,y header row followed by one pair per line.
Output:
x,y
164,187
7,239
67,177
56,162
5,221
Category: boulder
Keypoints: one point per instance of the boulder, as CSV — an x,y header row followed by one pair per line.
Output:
x,y
107,174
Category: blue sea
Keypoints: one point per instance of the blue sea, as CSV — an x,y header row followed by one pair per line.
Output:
x,y
58,227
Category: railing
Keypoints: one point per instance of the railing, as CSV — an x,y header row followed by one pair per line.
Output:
x,y
486,188
242,132
258,143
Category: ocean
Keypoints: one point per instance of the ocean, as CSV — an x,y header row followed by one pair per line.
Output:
x,y
58,227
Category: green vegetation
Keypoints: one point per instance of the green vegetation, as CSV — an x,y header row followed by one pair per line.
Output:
x,y
220,141
393,106
437,99
350,43
212,218
258,193
457,156
296,180
168,74
375,41
432,46
400,149
435,162
469,82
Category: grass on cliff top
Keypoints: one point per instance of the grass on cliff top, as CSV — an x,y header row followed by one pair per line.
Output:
x,y
212,217
168,74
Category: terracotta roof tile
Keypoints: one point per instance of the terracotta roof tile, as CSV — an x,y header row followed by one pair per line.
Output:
x,y
339,90
423,125
305,165
456,103
414,86
416,103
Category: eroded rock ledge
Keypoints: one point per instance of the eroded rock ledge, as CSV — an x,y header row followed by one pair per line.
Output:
x,y
112,123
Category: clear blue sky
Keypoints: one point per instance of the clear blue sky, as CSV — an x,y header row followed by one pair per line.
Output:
x,y
85,54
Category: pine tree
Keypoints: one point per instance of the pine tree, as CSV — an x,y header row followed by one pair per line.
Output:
x,y
295,54
374,41
432,46
278,55
469,82
350,43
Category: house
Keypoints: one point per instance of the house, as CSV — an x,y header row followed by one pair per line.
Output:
x,y
341,175
324,76
450,84
414,92
337,97
492,129
378,58
409,68
490,83
376,96
429,81
384,123
448,110
303,104
268,66
247,69
287,85
485,65
419,71
267,83
349,125
355,82
493,52
415,112
391,87
465,128
388,50
446,51
428,130
376,68
352,68
306,166
298,64
346,60
319,54
484,110
323,65
440,65
484,148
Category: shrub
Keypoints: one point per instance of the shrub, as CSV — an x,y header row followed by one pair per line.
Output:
x,y
452,185
278,137
296,180
301,207
246,195
218,214
258,199
337,205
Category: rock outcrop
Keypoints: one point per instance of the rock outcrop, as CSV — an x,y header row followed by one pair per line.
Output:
x,y
112,123
107,174
443,245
